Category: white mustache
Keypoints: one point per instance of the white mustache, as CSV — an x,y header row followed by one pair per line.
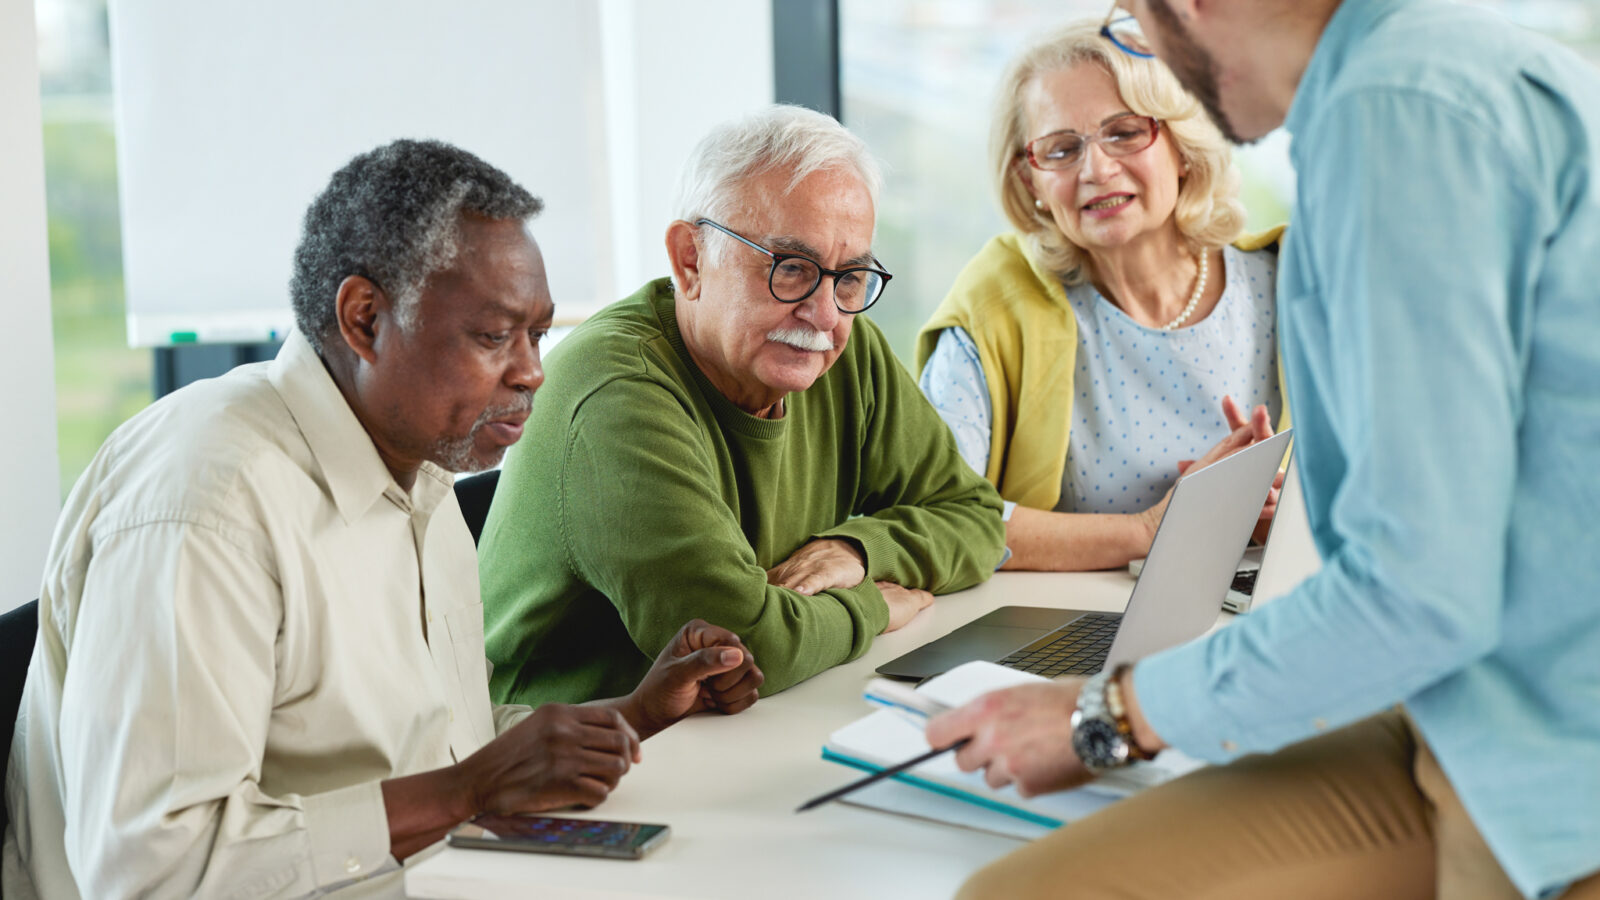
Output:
x,y
802,338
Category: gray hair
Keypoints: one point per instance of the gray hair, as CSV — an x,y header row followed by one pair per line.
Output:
x,y
778,137
393,215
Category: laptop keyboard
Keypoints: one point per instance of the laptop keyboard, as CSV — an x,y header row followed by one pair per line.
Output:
x,y
1077,648
1244,581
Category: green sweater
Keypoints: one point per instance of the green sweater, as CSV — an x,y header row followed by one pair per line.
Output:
x,y
640,498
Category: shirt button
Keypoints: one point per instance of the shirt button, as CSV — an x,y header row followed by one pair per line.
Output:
x,y
352,865
1229,747
430,617
452,715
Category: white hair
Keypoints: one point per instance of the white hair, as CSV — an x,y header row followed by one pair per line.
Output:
x,y
778,137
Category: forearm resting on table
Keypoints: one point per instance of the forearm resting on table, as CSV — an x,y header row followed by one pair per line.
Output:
x,y
629,707
1074,542
423,807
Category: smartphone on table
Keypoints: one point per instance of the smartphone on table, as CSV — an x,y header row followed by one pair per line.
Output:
x,y
551,834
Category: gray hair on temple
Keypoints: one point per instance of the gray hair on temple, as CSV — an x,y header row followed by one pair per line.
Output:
x,y
393,215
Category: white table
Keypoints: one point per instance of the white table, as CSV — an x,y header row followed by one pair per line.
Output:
x,y
728,786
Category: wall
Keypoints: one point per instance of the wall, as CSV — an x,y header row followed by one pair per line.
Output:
x,y
28,488
671,72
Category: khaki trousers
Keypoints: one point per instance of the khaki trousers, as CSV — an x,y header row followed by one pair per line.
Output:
x,y
1363,812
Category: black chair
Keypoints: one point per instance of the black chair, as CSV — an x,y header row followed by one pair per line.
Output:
x,y
474,493
18,630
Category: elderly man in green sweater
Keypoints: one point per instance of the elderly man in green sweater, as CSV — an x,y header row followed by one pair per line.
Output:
x,y
734,443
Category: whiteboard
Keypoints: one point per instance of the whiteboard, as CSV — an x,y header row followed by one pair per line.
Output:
x,y
231,117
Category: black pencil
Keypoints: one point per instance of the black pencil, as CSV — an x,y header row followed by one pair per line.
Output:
x,y
879,775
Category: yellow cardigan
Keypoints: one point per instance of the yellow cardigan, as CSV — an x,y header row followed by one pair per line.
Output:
x,y
1017,314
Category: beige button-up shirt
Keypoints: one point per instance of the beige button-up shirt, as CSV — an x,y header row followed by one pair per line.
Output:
x,y
245,626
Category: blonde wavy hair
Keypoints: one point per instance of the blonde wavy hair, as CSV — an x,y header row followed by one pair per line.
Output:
x,y
1208,210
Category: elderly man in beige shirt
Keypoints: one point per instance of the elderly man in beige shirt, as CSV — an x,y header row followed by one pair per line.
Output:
x,y
260,666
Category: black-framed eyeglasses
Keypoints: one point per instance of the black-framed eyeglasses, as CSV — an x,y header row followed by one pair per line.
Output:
x,y
1123,136
794,277
1124,32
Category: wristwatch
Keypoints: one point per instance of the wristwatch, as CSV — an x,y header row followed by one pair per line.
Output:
x,y
1101,734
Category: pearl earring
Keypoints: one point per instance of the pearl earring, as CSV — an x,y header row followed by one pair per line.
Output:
x,y
1038,204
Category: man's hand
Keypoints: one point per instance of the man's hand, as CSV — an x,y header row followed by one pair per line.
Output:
x,y
1021,734
904,604
559,756
820,565
703,667
1244,431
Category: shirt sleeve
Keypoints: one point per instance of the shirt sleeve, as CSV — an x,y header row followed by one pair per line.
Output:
x,y
954,383
507,715
924,518
1411,264
640,526
164,718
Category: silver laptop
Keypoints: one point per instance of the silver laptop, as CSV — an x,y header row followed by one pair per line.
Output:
x,y
1288,557
1178,595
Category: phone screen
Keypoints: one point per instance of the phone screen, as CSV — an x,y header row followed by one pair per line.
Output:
x,y
549,834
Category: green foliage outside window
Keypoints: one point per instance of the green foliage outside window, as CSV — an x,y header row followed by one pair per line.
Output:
x,y
100,380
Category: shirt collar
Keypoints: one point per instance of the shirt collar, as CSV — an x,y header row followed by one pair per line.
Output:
x,y
355,474
1351,22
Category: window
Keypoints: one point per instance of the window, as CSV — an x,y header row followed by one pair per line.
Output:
x,y
100,381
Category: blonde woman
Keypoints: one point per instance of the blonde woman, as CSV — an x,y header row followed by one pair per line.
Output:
x,y
1081,361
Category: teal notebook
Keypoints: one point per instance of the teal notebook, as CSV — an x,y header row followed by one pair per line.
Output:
x,y
886,737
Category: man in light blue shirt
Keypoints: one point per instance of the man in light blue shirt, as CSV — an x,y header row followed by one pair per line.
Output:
x,y
1440,321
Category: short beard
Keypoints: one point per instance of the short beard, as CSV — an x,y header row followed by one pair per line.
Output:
x,y
459,454
1195,68
802,338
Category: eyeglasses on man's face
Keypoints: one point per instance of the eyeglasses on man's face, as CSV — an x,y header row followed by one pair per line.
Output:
x,y
1123,30
1123,136
794,277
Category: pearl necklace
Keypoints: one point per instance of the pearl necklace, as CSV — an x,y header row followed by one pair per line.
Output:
x,y
1194,297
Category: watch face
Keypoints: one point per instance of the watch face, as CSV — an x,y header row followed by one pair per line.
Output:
x,y
1098,744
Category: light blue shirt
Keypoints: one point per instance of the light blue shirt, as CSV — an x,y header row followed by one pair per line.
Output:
x,y
953,382
1440,317
1143,398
